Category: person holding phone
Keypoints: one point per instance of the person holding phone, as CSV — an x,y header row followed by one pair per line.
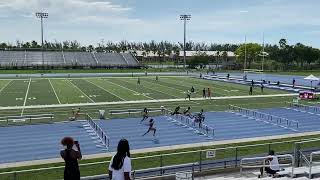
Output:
x,y
71,154
120,165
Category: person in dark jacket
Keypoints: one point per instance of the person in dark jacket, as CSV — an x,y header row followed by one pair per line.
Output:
x,y
71,154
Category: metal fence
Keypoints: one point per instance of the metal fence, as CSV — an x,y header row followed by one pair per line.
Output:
x,y
167,164
26,119
267,118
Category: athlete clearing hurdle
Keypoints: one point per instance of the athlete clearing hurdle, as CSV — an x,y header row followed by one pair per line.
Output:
x,y
151,128
187,112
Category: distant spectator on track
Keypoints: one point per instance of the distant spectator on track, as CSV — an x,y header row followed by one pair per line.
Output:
x,y
245,77
192,89
252,83
188,95
71,154
204,93
273,163
228,76
209,93
293,82
262,87
138,82
278,83
250,90
120,165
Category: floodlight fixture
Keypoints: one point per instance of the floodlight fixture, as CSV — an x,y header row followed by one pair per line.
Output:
x,y
41,16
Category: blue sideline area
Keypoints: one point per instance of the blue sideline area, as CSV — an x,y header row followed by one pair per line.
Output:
x,y
32,142
273,78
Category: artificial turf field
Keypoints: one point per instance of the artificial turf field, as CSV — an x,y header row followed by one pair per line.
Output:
x,y
37,91
75,91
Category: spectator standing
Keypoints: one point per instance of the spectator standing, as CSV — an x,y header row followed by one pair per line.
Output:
x,y
120,165
262,87
71,154
293,82
204,93
250,90
209,93
188,95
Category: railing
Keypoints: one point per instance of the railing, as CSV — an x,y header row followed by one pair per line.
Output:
x,y
190,123
313,162
228,157
268,118
185,167
306,107
29,118
134,111
105,140
306,146
262,162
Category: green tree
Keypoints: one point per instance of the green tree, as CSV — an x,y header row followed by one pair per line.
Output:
x,y
199,60
253,49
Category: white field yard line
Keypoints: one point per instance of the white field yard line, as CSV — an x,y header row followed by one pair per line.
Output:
x,y
5,86
156,90
80,90
131,90
26,96
168,87
144,101
105,90
54,91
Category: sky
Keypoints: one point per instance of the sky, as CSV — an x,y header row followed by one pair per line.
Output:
x,y
212,21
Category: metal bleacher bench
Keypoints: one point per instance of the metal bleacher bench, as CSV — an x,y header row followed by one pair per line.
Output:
x,y
26,118
132,111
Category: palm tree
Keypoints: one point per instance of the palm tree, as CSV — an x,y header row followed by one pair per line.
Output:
x,y
217,58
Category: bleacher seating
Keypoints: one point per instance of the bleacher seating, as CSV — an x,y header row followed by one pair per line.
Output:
x,y
129,58
54,58
12,58
60,59
79,58
33,58
110,59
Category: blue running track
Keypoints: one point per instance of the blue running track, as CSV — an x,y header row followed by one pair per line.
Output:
x,y
33,142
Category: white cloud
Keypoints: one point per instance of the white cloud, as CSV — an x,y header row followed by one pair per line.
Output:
x,y
68,10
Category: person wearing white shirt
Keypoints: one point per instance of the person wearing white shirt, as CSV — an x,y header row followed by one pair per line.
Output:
x,y
120,165
273,165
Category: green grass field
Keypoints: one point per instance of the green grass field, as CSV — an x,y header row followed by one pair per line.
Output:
x,y
37,91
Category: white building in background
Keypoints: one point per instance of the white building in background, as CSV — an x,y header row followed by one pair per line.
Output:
x,y
230,54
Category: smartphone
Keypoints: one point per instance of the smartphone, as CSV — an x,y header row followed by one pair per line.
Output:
x,y
76,142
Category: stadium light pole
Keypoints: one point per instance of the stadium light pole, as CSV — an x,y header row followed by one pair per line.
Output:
x,y
184,18
42,15
245,52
